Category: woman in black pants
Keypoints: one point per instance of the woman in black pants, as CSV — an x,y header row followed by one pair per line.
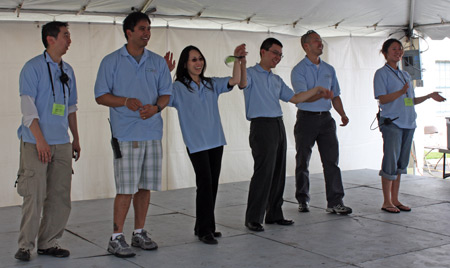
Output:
x,y
195,98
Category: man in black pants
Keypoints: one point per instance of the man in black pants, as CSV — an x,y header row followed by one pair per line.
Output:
x,y
263,91
314,123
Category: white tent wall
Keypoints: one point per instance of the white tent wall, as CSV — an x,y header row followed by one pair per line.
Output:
x,y
355,60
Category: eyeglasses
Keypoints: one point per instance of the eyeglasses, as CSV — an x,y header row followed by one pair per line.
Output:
x,y
199,59
276,53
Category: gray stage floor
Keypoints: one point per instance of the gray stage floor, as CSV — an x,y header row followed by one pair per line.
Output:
x,y
366,238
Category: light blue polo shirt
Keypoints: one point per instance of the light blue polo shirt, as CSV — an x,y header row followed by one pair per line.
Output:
x,y
120,75
35,82
263,92
198,113
306,75
388,80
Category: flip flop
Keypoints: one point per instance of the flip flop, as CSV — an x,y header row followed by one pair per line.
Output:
x,y
389,211
404,208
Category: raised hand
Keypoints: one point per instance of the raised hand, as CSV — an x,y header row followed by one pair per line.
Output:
x,y
240,52
169,60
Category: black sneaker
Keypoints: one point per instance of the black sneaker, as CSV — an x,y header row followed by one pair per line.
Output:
x,y
55,252
23,254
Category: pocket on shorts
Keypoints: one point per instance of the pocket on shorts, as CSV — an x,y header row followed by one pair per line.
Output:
x,y
24,182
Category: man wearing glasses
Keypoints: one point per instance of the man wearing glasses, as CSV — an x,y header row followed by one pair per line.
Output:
x,y
48,95
314,123
263,91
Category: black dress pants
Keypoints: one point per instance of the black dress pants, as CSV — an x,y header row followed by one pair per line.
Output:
x,y
312,127
207,166
268,143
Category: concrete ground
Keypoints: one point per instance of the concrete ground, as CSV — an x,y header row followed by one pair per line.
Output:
x,y
367,238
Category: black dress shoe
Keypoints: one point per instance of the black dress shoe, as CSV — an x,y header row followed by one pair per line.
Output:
x,y
208,239
254,226
215,234
281,222
303,207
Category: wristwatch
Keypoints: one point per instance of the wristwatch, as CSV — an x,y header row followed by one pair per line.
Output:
x,y
159,108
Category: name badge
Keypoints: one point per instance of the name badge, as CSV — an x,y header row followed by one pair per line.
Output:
x,y
409,102
58,109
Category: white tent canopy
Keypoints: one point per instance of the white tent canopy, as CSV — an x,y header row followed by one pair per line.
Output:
x,y
330,17
351,47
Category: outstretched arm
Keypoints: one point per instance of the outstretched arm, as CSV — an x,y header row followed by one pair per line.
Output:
x,y
435,96
316,92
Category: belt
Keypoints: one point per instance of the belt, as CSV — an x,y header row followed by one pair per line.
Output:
x,y
313,113
280,118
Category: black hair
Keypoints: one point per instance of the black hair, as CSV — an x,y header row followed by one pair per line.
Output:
x,y
182,73
266,44
305,37
132,19
52,29
387,44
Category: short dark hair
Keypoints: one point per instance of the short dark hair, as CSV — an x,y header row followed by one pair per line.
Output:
x,y
266,44
387,44
305,37
52,29
132,19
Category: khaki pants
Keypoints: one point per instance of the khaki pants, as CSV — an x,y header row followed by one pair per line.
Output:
x,y
45,188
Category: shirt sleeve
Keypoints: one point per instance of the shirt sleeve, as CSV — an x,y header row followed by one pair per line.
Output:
x,y
379,84
286,93
173,98
104,81
72,109
165,79
73,99
335,85
28,80
28,109
298,80
221,84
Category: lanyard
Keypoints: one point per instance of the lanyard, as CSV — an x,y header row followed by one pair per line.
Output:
x,y
63,78
395,74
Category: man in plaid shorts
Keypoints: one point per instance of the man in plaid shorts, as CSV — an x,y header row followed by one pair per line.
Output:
x,y
136,84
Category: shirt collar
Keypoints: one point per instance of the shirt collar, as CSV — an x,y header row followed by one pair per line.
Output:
x,y
261,69
124,52
50,60
309,62
387,65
